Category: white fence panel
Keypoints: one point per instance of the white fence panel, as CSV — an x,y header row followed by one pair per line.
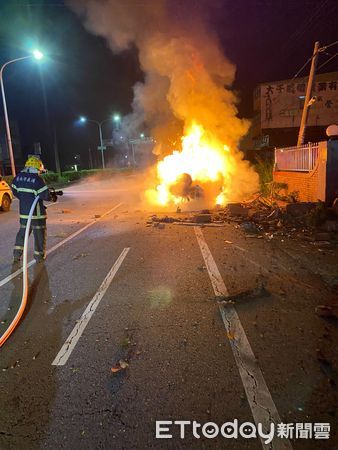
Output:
x,y
297,159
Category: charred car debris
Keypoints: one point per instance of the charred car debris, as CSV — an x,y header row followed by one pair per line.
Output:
x,y
261,218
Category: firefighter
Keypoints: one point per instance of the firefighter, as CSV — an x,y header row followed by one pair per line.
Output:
x,y
26,186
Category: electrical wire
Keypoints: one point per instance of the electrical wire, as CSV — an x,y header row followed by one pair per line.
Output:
x,y
302,29
330,45
327,61
303,67
320,50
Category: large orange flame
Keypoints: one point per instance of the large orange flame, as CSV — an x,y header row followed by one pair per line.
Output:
x,y
204,159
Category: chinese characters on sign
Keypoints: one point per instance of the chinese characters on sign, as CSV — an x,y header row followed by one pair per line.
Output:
x,y
282,102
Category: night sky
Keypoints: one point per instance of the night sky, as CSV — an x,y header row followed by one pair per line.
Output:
x,y
267,40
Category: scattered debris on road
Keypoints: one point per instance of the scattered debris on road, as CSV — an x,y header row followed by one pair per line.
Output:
x,y
36,355
260,291
81,255
121,365
313,222
204,217
327,311
237,209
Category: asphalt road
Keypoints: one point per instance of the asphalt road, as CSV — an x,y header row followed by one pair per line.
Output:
x,y
156,303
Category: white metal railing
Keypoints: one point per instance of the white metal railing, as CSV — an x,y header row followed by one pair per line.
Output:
x,y
297,159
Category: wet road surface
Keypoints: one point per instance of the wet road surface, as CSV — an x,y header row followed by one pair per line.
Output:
x,y
114,292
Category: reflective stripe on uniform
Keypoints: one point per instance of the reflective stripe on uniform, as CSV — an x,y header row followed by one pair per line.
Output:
x,y
42,189
18,247
38,227
38,253
24,216
30,191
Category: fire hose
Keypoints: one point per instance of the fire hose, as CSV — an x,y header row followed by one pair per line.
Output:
x,y
23,304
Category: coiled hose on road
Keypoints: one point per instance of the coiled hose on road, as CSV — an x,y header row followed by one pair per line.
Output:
x,y
22,307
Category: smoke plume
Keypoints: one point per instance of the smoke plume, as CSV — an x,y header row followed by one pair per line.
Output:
x,y
187,78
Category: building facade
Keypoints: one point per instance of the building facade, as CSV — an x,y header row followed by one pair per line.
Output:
x,y
278,108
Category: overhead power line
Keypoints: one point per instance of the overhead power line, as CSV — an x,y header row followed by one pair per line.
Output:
x,y
327,61
303,27
330,45
303,67
320,50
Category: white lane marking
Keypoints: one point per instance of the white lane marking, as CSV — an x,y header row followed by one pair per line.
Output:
x,y
262,406
48,252
67,348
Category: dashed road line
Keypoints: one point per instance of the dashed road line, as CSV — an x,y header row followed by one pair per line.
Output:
x,y
261,403
71,341
55,247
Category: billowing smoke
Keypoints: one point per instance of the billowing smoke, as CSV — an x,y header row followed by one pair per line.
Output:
x,y
186,76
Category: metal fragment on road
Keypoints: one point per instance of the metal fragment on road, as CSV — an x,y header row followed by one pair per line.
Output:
x,y
261,403
71,341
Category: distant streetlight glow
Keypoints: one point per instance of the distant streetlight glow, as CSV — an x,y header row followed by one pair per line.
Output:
x,y
37,54
116,118
142,135
83,119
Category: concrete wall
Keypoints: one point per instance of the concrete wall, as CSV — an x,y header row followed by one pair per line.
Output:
x,y
311,186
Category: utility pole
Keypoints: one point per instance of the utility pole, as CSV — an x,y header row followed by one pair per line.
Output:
x,y
8,130
90,158
101,144
307,103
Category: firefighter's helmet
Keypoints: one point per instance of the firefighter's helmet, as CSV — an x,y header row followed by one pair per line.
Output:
x,y
34,162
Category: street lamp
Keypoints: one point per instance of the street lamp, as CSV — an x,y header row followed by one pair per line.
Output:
x,y
37,55
83,119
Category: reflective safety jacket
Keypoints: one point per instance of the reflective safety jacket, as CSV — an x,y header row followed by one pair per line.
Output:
x,y
26,186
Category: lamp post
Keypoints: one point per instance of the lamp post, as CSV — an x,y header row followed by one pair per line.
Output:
x,y
116,118
37,55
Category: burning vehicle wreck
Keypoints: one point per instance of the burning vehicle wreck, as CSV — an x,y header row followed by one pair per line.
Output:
x,y
203,169
184,188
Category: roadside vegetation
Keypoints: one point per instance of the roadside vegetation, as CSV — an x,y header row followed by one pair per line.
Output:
x,y
270,188
53,178
264,168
